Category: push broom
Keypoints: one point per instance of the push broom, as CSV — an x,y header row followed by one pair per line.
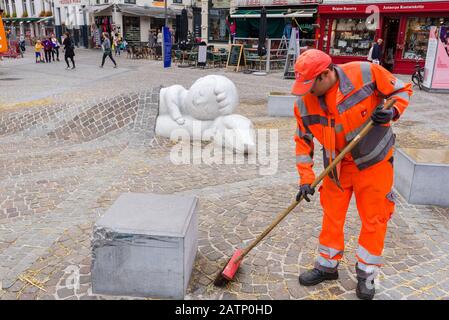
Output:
x,y
230,269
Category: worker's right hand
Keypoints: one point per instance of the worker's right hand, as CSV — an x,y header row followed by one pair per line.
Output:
x,y
304,191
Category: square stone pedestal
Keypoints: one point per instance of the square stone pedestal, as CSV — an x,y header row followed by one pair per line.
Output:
x,y
422,175
145,245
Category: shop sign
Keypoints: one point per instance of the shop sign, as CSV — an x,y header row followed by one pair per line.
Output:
x,y
69,2
260,3
387,7
157,3
221,4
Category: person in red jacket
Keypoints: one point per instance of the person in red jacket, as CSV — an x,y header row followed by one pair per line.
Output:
x,y
334,103
232,28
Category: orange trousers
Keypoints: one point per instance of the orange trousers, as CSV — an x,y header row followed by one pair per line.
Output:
x,y
375,204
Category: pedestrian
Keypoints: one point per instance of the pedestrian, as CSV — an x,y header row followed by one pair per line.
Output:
x,y
37,50
151,39
56,46
117,43
69,50
159,38
232,29
335,102
377,51
107,50
48,49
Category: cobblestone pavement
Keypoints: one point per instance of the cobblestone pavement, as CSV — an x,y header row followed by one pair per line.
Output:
x,y
71,145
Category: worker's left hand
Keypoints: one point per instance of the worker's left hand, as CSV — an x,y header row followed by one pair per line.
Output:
x,y
304,191
383,116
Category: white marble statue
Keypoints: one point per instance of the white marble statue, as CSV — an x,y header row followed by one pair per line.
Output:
x,y
206,112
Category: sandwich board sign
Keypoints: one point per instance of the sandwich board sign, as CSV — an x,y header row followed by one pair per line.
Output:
x,y
236,57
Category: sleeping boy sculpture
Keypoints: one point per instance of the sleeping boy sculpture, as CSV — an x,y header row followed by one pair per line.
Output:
x,y
209,105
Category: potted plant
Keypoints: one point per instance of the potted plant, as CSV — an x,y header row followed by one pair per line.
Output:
x,y
48,14
25,14
42,13
14,14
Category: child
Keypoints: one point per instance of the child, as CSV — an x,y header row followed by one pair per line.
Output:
x,y
37,49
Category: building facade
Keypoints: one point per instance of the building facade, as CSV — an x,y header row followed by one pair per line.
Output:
x,y
282,15
132,19
30,18
348,29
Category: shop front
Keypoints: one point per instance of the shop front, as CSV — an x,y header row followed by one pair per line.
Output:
x,y
347,31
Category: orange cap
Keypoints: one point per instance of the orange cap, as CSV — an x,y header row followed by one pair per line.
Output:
x,y
308,66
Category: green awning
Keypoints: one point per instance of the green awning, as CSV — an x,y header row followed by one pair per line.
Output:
x,y
286,13
247,21
31,19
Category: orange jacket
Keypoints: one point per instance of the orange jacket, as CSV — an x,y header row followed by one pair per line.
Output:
x,y
362,87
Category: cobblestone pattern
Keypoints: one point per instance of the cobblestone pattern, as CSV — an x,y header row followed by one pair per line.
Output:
x,y
45,193
59,191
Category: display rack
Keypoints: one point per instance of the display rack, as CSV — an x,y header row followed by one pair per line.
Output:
x,y
416,44
273,60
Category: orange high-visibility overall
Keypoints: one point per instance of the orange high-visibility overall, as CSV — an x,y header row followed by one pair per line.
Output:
x,y
367,171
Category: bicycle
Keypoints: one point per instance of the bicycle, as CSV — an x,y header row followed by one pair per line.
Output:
x,y
418,75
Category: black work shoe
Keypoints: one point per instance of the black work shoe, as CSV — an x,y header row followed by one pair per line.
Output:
x,y
365,288
314,276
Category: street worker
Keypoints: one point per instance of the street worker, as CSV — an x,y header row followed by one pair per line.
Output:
x,y
335,102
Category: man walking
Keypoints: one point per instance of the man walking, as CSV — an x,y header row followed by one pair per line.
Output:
x,y
377,51
107,50
335,102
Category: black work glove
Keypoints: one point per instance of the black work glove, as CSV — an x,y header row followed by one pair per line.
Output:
x,y
305,190
383,116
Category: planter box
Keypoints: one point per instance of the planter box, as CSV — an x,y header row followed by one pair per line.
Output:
x,y
422,175
145,245
281,104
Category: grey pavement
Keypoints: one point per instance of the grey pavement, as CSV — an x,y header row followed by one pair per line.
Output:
x,y
71,141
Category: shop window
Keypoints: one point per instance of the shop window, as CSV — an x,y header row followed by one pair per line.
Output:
x,y
326,33
218,31
417,35
131,29
350,37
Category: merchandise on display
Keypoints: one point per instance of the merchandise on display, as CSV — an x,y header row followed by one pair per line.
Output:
x,y
350,37
417,36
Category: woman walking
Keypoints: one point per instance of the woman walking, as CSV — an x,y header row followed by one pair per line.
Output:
x,y
107,51
56,46
48,48
69,50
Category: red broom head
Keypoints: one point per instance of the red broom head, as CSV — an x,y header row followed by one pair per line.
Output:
x,y
232,266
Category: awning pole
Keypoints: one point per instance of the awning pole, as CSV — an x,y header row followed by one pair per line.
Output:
x,y
165,13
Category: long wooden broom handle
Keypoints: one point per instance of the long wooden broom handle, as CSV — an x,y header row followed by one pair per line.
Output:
x,y
326,171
